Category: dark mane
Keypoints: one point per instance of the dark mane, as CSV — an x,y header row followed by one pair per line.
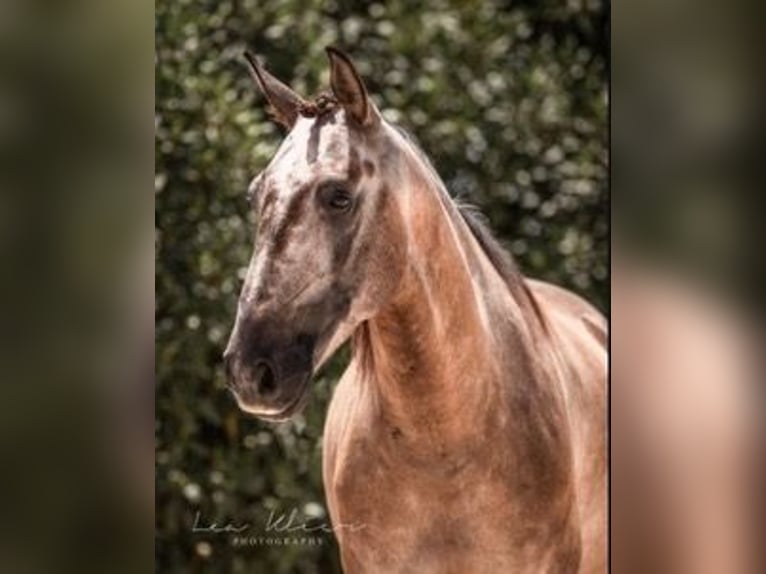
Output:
x,y
500,257
477,222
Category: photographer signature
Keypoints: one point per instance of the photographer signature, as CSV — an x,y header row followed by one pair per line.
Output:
x,y
277,522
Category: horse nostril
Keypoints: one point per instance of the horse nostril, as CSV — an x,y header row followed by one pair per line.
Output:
x,y
264,378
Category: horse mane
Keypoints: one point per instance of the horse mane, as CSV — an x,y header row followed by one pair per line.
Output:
x,y
478,224
498,255
500,258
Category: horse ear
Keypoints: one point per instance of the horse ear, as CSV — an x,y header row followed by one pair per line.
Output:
x,y
284,102
349,88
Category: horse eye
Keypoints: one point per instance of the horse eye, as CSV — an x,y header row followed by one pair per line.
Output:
x,y
339,199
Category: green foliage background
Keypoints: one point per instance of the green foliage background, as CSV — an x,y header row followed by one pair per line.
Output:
x,y
509,99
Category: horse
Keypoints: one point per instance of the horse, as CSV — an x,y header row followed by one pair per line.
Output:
x,y
467,433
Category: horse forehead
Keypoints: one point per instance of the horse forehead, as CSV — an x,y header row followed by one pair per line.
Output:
x,y
311,150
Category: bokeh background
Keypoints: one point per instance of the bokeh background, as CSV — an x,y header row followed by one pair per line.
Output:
x,y
509,100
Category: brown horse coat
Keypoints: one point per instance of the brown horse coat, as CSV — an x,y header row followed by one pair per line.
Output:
x,y
468,433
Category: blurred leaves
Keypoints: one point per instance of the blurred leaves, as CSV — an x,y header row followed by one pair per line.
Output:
x,y
508,99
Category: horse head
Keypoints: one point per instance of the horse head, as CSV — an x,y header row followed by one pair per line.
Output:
x,y
329,247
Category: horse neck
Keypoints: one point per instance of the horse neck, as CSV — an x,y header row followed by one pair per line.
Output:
x,y
438,352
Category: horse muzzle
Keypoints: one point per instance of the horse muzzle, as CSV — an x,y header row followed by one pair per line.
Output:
x,y
272,385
